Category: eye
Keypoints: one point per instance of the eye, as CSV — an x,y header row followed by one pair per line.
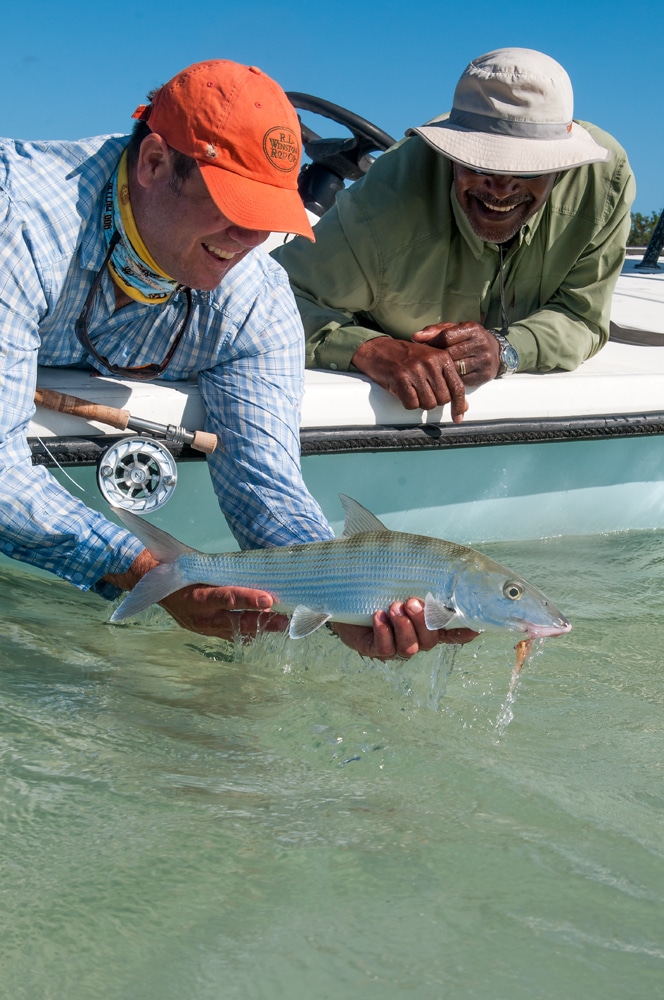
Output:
x,y
513,591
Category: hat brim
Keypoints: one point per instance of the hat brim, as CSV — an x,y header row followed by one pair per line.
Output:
x,y
504,154
253,204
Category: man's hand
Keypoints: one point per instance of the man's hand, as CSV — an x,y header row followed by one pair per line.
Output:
x,y
474,350
398,633
417,374
434,367
224,612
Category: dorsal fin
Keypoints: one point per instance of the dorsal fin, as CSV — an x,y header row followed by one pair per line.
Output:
x,y
358,518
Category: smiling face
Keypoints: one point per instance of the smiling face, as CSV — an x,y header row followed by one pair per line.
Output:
x,y
497,205
188,236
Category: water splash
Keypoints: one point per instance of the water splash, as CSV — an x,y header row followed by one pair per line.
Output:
x,y
524,652
506,713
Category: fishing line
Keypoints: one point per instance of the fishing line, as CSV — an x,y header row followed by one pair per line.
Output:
x,y
63,471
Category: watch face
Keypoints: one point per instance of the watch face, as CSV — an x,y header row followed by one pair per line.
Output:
x,y
509,357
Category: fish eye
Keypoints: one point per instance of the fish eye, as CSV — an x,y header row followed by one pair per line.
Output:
x,y
513,591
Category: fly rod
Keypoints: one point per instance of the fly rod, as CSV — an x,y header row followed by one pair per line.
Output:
x,y
50,399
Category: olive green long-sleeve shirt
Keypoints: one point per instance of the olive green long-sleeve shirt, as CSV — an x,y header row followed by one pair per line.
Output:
x,y
396,253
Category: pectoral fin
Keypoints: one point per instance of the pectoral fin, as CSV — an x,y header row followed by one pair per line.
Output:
x,y
436,614
305,620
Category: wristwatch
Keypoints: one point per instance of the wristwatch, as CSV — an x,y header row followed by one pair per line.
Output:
x,y
509,359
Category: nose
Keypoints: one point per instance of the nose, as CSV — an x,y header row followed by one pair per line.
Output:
x,y
247,237
501,185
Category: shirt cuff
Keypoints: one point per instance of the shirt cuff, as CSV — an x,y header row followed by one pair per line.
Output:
x,y
525,344
338,348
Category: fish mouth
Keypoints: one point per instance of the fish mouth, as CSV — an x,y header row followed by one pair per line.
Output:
x,y
542,631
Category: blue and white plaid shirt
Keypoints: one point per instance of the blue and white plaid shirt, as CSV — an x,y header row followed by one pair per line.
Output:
x,y
244,341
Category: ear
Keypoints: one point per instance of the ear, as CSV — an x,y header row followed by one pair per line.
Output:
x,y
154,162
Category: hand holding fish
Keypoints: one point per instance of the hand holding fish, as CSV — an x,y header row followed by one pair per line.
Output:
x,y
417,374
473,349
215,611
399,633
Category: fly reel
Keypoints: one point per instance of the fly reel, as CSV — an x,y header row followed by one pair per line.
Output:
x,y
137,474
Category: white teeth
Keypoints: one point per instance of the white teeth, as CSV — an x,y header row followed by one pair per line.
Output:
x,y
221,254
499,208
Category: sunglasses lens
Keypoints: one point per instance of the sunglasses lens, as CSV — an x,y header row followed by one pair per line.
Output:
x,y
493,173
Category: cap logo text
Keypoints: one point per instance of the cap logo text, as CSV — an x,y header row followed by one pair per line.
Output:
x,y
282,148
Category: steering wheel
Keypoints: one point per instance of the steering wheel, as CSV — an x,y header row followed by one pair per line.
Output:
x,y
334,161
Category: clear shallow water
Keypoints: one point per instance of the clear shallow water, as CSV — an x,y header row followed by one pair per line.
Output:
x,y
180,819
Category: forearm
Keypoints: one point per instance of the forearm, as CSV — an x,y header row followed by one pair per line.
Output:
x,y
553,338
128,579
574,324
43,525
331,336
40,522
256,470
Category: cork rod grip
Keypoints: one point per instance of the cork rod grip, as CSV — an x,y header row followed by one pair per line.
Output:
x,y
204,441
62,403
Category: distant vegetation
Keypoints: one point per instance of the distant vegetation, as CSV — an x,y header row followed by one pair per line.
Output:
x,y
642,228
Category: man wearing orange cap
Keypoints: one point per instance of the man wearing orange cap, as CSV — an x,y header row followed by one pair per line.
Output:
x,y
133,255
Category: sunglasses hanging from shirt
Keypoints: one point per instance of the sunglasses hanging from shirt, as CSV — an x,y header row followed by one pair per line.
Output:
x,y
142,373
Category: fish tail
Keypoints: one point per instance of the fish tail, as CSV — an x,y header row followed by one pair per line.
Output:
x,y
158,583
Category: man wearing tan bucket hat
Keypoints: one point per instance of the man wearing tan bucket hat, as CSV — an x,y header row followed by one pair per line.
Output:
x,y
133,255
486,242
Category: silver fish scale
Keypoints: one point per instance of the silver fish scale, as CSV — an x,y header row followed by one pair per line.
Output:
x,y
355,575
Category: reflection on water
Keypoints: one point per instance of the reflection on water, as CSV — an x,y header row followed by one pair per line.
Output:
x,y
181,818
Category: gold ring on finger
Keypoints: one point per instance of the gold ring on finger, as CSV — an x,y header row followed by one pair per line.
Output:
x,y
462,367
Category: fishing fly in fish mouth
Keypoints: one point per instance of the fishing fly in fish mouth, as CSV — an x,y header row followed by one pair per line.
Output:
x,y
348,579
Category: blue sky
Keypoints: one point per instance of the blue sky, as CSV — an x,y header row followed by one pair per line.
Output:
x,y
71,70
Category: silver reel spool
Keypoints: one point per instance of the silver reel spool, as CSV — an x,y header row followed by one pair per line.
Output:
x,y
138,474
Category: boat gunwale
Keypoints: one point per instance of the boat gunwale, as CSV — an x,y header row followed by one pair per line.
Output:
x,y
87,449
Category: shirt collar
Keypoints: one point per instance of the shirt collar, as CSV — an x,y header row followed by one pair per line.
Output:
x,y
93,244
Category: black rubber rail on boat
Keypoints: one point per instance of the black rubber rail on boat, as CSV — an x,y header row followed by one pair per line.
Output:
x,y
50,399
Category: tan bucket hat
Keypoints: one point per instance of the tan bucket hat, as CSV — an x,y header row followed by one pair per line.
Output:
x,y
512,114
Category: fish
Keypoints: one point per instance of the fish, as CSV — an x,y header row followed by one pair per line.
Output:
x,y
347,579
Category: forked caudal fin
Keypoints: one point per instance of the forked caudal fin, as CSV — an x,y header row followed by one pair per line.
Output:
x,y
159,582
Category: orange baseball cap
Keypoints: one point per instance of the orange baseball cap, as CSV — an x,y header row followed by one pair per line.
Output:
x,y
244,133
